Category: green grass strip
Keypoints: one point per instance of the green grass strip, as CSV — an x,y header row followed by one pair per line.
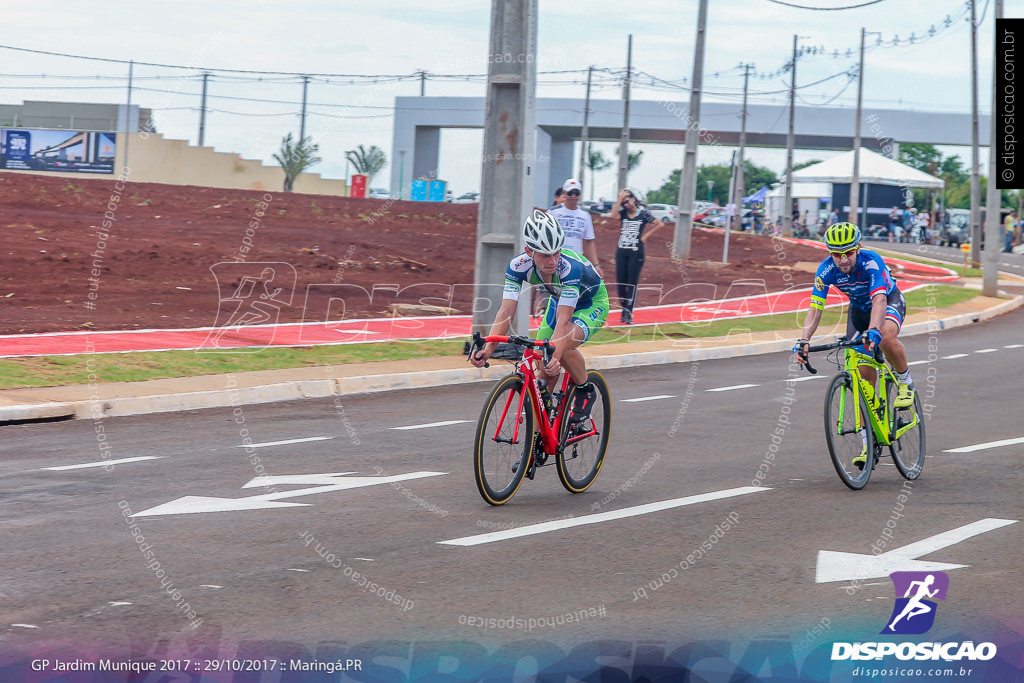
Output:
x,y
43,371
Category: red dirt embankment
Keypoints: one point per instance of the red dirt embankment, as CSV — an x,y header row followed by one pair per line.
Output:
x,y
150,266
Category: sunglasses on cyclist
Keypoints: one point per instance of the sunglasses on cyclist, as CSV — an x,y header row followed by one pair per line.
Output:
x,y
841,254
573,193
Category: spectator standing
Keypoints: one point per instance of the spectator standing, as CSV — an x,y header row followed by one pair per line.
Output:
x,y
576,223
629,256
833,217
1009,225
559,197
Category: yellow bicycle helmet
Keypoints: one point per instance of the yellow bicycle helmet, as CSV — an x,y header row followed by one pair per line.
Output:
x,y
842,237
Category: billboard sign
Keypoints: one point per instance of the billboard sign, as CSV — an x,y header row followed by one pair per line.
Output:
x,y
57,150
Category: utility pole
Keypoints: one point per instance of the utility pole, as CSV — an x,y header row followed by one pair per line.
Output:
x,y
787,203
202,111
734,209
855,181
624,140
975,171
740,188
423,83
302,124
688,177
128,113
506,188
586,132
990,271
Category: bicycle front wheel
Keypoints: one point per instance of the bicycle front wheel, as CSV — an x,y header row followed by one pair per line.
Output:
x,y
846,426
907,447
584,444
504,441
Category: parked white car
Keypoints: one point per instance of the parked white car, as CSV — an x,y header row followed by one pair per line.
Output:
x,y
379,193
467,198
666,213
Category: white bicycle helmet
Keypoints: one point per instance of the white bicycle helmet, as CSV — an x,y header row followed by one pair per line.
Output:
x,y
542,233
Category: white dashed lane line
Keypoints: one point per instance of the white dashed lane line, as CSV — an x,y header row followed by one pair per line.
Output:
x,y
1013,346
986,350
985,446
102,463
285,442
738,386
432,424
647,398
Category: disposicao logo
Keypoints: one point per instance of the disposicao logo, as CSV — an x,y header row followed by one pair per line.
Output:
x,y
914,614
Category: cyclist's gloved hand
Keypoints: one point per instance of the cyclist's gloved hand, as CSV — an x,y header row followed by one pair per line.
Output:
x,y
800,349
874,338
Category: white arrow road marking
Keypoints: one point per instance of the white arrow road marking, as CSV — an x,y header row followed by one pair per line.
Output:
x,y
738,386
984,446
835,566
330,482
647,398
284,443
433,424
558,524
102,463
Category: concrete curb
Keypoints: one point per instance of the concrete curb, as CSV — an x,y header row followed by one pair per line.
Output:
x,y
346,386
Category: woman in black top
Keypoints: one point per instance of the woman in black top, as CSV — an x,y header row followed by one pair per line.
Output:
x,y
629,257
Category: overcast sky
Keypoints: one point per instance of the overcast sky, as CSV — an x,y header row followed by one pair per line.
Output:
x,y
250,113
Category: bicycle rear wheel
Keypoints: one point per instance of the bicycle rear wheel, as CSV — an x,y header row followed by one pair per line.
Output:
x,y
584,444
907,450
843,431
504,441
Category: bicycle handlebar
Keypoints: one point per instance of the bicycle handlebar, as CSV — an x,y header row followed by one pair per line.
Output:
x,y
479,340
841,344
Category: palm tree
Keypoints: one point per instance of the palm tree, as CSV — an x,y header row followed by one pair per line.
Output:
x,y
368,162
633,161
596,161
296,158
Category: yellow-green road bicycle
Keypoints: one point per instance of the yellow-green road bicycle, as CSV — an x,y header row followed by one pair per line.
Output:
x,y
861,416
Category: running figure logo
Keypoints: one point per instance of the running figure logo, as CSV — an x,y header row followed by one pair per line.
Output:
x,y
251,294
914,613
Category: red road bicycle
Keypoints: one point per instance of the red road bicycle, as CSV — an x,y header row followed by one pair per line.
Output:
x,y
523,424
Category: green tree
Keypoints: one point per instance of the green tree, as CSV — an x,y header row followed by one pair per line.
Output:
x,y
805,164
633,160
596,161
368,162
755,177
296,157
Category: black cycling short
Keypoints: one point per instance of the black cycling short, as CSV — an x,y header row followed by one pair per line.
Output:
x,y
895,310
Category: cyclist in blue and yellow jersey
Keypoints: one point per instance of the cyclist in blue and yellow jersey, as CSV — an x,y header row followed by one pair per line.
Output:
x,y
877,306
578,305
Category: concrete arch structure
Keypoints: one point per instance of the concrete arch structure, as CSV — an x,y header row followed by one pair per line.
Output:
x,y
416,138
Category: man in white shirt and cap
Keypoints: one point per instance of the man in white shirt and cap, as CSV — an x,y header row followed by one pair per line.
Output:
x,y
576,223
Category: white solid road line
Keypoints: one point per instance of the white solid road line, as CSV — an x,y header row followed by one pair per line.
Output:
x,y
433,424
984,446
954,356
738,386
558,524
647,398
285,442
102,463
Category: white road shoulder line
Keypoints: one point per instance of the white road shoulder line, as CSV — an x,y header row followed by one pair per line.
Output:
x,y
433,424
647,398
285,442
738,386
556,525
985,446
102,463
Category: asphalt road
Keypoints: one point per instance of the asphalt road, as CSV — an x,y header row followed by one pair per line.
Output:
x,y
77,577
1008,262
